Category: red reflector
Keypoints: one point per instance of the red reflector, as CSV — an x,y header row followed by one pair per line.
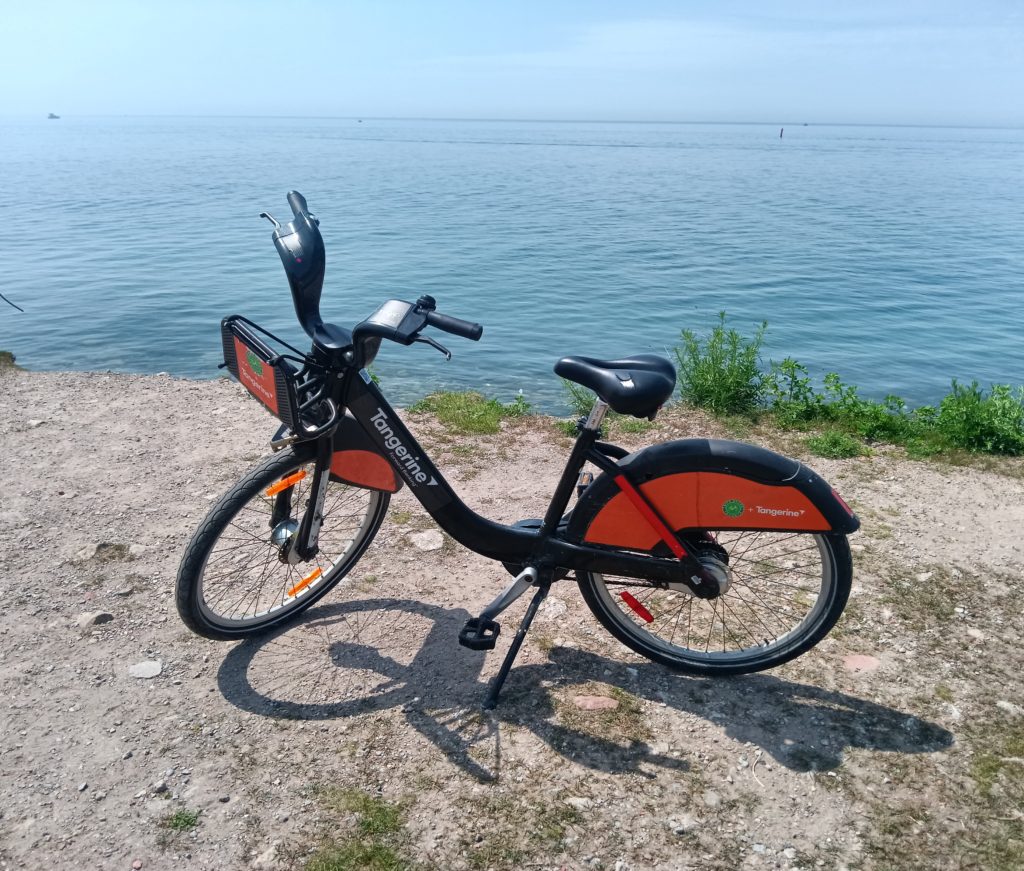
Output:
x,y
639,609
842,502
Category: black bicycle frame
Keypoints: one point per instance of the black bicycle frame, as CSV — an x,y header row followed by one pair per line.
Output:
x,y
541,548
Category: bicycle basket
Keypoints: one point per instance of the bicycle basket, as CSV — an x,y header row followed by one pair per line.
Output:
x,y
289,393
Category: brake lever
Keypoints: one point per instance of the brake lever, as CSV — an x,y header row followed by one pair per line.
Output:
x,y
434,344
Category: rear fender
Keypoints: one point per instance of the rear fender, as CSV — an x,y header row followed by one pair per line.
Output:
x,y
708,484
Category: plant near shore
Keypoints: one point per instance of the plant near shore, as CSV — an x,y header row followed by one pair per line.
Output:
x,y
722,371
469,412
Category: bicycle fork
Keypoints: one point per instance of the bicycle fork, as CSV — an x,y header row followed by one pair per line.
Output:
x,y
481,633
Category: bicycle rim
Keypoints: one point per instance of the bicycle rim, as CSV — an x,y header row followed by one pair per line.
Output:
x,y
243,584
785,591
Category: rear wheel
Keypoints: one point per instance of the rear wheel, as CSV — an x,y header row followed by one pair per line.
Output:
x,y
232,582
783,592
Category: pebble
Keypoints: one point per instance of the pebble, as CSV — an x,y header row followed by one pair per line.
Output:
x,y
759,848
160,786
82,787
1009,707
137,864
579,802
146,669
595,703
224,799
789,853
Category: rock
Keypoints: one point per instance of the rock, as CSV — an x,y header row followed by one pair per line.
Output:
x,y
146,669
759,848
789,853
595,703
224,799
1009,707
266,859
137,864
93,618
429,539
554,607
86,553
712,798
579,802
160,787
860,663
82,787
137,550
32,424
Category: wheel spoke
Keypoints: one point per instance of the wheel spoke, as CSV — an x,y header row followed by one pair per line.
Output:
x,y
779,592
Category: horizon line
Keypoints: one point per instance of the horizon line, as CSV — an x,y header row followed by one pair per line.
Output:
x,y
524,120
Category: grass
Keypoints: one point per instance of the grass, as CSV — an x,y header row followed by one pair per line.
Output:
x,y
377,839
7,361
835,444
469,412
181,820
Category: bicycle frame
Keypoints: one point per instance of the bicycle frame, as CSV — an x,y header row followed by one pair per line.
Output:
x,y
543,549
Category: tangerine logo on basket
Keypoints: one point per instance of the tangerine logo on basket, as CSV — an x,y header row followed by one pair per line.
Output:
x,y
255,363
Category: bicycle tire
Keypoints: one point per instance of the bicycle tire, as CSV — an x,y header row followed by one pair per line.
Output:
x,y
651,623
236,534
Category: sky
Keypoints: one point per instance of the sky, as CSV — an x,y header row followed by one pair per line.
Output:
x,y
933,62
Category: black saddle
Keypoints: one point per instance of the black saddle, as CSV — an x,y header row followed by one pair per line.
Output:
x,y
637,385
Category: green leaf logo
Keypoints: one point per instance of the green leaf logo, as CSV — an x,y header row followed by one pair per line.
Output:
x,y
732,508
255,363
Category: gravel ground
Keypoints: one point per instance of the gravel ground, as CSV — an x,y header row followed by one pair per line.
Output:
x,y
131,743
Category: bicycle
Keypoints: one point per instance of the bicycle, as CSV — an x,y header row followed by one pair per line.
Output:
x,y
708,556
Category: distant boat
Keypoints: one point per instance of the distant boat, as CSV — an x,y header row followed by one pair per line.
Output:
x,y
53,117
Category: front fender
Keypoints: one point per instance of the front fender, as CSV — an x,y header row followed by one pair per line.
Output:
x,y
708,484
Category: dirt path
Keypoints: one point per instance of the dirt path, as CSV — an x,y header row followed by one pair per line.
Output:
x,y
897,743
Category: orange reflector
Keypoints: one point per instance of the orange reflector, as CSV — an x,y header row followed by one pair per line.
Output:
x,y
305,582
285,483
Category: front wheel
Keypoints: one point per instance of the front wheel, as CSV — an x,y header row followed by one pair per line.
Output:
x,y
233,583
783,592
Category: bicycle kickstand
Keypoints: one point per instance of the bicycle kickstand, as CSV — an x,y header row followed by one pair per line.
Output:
x,y
491,702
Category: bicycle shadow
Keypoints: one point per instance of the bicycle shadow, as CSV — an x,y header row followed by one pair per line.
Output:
x,y
371,655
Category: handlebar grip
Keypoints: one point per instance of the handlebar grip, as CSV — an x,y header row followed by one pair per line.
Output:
x,y
298,203
455,325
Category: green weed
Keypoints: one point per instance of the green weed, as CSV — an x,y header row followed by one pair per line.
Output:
x,y
835,444
721,372
181,820
469,412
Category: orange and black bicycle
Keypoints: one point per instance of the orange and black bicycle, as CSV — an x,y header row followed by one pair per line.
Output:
x,y
707,556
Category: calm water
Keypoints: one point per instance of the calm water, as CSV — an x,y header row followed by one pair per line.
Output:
x,y
892,255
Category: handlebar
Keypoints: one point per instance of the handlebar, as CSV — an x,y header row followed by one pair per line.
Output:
x,y
457,326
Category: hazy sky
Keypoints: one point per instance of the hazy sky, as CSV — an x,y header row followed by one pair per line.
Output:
x,y
931,62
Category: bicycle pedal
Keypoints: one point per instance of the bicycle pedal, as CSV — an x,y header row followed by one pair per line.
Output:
x,y
480,634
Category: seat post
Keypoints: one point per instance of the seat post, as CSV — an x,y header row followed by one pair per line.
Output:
x,y
597,415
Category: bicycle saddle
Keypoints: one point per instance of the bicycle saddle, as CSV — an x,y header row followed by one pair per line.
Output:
x,y
636,385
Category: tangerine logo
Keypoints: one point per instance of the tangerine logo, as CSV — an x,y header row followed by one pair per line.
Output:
x,y
255,363
780,512
733,508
